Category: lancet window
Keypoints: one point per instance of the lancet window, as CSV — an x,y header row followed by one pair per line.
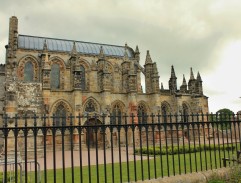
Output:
x,y
28,72
116,114
60,115
142,114
164,111
55,76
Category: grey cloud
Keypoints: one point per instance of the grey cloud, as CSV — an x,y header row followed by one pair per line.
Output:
x,y
215,92
185,34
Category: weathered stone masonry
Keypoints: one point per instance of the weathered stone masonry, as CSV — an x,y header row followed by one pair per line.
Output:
x,y
55,76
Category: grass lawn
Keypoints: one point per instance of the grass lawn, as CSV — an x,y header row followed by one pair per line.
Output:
x,y
161,166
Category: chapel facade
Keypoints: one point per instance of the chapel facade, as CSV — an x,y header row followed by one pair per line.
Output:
x,y
56,76
62,77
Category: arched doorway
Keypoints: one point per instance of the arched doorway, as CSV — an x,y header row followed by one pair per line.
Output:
x,y
93,134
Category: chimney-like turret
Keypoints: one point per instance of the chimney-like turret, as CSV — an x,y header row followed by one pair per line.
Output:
x,y
191,82
199,87
173,81
183,88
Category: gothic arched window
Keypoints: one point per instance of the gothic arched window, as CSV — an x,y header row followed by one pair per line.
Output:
x,y
142,115
28,72
185,113
55,76
116,114
60,115
90,107
164,110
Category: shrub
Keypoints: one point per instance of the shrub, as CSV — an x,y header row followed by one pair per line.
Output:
x,y
183,149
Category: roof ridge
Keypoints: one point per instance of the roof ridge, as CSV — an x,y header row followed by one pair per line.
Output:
x,y
104,44
55,44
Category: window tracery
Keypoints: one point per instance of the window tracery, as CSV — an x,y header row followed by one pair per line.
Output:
x,y
142,114
116,114
60,115
90,106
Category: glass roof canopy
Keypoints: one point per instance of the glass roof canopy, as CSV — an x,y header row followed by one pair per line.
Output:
x,y
37,43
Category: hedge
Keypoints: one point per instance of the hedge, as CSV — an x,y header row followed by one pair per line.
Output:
x,y
182,149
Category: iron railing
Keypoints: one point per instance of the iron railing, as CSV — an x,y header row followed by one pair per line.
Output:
x,y
101,148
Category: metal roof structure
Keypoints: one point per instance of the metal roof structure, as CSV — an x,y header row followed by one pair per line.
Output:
x,y
61,45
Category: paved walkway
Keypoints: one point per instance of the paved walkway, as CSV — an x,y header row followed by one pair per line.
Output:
x,y
86,157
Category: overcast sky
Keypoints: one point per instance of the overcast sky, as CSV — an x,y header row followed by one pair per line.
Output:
x,y
204,35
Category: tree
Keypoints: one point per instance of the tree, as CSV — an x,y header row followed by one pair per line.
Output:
x,y
224,116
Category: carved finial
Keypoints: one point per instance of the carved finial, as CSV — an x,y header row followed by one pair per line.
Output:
x,y
184,83
148,58
101,54
137,54
45,47
191,74
126,57
45,52
173,75
74,50
137,49
199,77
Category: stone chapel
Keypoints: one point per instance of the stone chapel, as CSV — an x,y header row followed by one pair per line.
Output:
x,y
58,76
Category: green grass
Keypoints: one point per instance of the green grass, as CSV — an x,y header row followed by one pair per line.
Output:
x,y
163,165
171,160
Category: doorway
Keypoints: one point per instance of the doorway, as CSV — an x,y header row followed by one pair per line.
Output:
x,y
92,133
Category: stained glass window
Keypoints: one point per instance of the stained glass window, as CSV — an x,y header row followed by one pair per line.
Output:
x,y
28,72
116,114
60,115
142,116
55,76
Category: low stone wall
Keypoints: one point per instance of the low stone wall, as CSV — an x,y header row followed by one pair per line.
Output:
x,y
200,177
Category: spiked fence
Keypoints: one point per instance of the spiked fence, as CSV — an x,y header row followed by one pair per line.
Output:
x,y
101,148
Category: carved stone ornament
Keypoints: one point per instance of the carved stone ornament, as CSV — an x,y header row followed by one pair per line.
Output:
x,y
116,68
93,65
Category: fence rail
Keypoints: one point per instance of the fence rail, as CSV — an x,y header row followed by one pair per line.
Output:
x,y
101,148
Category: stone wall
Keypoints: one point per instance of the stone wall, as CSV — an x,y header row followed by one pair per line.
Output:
x,y
2,89
200,177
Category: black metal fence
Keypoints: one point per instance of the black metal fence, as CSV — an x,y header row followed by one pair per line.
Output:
x,y
101,148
